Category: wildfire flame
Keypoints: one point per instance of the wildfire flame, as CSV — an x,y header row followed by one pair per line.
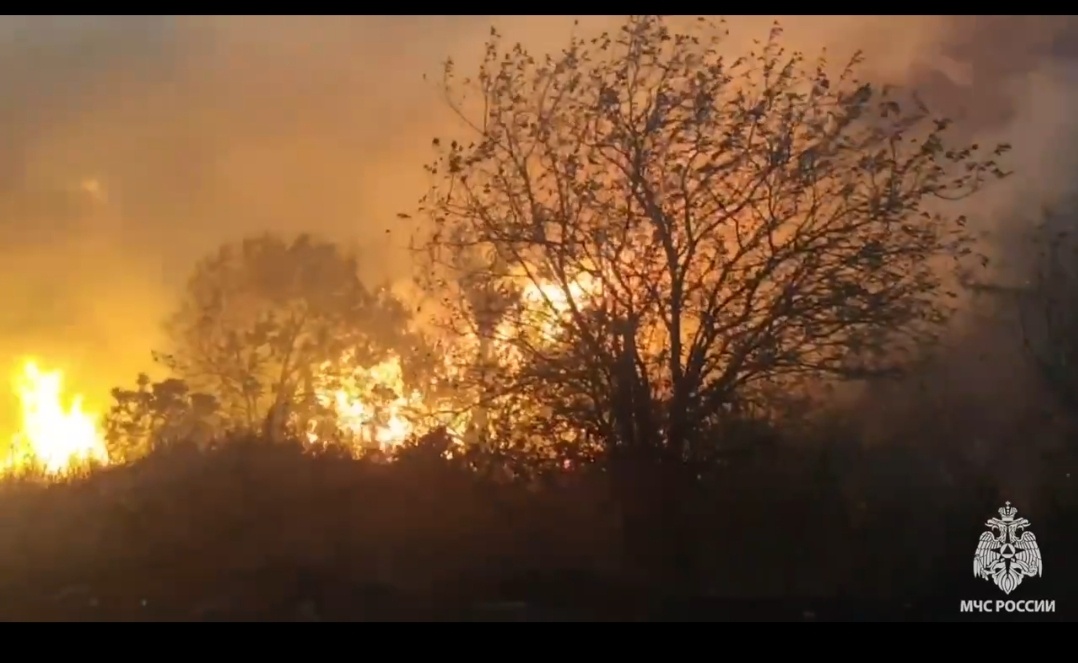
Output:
x,y
375,407
371,404
548,304
52,435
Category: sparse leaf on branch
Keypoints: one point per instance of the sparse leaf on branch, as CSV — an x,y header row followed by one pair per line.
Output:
x,y
688,230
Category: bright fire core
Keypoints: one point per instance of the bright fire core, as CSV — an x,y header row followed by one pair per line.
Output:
x,y
372,404
55,433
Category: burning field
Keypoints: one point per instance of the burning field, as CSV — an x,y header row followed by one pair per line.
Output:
x,y
362,406
57,434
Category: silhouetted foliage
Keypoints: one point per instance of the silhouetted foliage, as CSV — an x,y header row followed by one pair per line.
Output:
x,y
699,234
1048,305
273,530
665,243
155,414
261,317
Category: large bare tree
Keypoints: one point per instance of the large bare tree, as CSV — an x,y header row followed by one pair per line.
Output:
x,y
682,232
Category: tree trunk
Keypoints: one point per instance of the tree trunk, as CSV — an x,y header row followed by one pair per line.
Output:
x,y
654,500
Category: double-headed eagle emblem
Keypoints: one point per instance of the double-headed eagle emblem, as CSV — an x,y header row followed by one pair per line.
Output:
x,y
1005,556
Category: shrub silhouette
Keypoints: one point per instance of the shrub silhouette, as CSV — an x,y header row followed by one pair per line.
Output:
x,y
250,529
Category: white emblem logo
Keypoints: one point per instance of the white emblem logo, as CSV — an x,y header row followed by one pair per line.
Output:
x,y
1007,557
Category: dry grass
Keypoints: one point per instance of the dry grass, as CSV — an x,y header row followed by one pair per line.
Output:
x,y
257,531
251,529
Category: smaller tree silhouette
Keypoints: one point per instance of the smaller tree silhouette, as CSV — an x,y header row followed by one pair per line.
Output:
x,y
155,414
261,317
1048,307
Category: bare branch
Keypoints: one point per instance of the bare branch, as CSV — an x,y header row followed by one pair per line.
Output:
x,y
693,228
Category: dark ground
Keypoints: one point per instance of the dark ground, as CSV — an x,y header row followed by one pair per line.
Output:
x,y
253,532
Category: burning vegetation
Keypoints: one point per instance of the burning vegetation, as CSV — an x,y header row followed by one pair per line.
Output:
x,y
55,433
364,406
640,265
641,241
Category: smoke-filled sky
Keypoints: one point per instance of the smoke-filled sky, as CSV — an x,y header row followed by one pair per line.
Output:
x,y
133,145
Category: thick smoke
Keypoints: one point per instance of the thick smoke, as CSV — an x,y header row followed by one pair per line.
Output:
x,y
134,145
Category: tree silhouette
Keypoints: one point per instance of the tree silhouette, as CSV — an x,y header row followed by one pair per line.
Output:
x,y
260,317
688,234
1048,311
1043,291
155,414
